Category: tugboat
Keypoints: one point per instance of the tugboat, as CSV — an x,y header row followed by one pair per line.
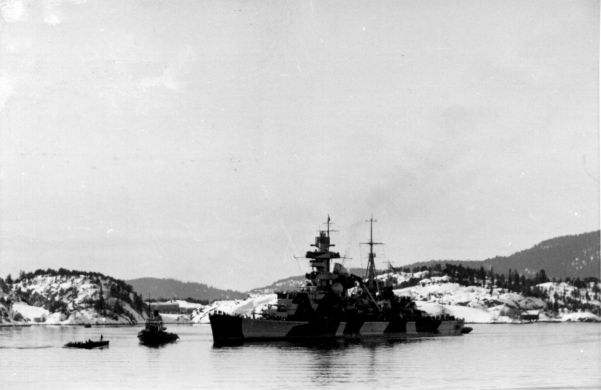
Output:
x,y
154,333
335,305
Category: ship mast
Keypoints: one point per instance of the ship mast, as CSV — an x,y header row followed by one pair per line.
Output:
x,y
371,264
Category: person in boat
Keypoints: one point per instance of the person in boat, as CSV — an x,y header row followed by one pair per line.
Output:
x,y
101,337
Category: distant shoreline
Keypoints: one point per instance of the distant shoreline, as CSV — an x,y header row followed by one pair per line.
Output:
x,y
73,325
198,323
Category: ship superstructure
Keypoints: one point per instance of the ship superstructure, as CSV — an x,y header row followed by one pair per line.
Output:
x,y
334,304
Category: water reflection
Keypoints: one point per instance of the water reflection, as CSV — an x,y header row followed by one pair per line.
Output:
x,y
318,344
496,356
154,346
322,363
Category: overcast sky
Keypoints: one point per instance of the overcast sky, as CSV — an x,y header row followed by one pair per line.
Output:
x,y
208,140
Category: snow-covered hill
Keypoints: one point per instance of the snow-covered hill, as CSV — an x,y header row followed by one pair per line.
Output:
x,y
438,294
247,307
73,297
69,297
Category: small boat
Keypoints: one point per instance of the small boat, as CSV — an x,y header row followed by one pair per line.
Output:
x,y
87,325
90,344
154,333
466,329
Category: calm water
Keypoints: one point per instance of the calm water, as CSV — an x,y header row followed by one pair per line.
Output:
x,y
549,356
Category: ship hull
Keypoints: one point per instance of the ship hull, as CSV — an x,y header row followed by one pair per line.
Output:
x,y
156,338
235,329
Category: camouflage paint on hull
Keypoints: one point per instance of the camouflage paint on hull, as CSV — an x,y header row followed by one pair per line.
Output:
x,y
227,329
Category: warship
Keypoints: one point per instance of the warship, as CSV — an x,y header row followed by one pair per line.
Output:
x,y
335,305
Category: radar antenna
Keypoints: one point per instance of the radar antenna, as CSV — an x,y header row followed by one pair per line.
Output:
x,y
328,224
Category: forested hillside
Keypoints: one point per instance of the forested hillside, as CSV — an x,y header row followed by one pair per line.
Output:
x,y
574,256
66,296
174,289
